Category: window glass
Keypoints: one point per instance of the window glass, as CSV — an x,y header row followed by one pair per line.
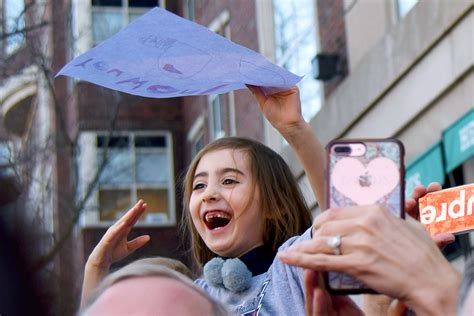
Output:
x,y
110,16
105,23
118,168
138,167
189,9
404,6
14,22
157,204
4,154
152,168
295,41
198,143
113,203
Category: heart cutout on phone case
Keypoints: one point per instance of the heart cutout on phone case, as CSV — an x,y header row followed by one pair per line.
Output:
x,y
365,184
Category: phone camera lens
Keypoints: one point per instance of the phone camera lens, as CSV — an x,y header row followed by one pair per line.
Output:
x,y
342,149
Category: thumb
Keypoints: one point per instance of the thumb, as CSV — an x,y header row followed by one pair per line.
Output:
x,y
316,299
443,239
397,308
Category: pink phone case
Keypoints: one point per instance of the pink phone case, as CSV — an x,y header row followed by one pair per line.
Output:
x,y
370,172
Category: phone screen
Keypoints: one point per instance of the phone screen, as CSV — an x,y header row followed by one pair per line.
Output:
x,y
363,172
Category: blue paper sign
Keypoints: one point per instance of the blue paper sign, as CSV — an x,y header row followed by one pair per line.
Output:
x,y
162,55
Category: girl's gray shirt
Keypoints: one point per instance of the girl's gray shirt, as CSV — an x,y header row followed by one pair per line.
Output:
x,y
279,291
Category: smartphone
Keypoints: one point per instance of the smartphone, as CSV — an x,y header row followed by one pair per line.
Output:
x,y
363,172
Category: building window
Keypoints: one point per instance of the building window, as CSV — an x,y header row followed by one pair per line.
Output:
x,y
14,24
221,107
189,10
196,135
295,44
197,144
132,166
110,16
404,6
6,166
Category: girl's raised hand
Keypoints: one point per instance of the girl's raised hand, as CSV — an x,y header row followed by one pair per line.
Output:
x,y
113,247
282,109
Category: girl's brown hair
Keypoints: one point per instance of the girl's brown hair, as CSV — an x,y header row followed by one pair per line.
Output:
x,y
282,204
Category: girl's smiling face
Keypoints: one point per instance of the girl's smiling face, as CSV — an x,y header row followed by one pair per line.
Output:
x,y
225,203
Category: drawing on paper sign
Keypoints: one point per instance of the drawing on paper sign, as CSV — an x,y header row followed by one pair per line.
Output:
x,y
176,59
260,74
162,55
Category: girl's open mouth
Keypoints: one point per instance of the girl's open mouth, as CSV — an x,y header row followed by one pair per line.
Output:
x,y
216,219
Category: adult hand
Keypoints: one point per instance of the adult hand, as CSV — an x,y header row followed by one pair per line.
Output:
x,y
412,209
390,255
318,302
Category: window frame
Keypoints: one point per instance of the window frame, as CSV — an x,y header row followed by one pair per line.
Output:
x,y
221,25
398,8
88,161
8,48
293,51
125,9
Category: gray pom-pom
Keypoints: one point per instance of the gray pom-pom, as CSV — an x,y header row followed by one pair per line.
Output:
x,y
236,276
212,271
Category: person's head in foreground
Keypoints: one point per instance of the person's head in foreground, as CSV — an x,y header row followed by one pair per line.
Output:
x,y
146,288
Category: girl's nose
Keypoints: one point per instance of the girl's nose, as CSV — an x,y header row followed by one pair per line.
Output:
x,y
210,195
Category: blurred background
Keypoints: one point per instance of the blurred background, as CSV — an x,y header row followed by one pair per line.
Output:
x,y
75,156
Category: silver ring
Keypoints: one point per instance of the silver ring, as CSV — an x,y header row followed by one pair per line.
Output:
x,y
335,243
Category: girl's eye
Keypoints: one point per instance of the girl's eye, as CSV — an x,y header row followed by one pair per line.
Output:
x,y
198,186
230,181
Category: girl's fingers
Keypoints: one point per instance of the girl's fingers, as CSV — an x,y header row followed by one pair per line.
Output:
x,y
133,214
258,93
136,214
115,232
137,243
123,226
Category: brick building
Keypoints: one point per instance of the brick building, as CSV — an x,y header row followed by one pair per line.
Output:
x,y
92,152
405,70
402,68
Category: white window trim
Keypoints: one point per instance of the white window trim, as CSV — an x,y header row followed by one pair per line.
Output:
x,y
82,24
195,132
222,22
196,128
267,42
87,163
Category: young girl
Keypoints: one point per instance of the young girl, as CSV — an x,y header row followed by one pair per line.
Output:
x,y
241,201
